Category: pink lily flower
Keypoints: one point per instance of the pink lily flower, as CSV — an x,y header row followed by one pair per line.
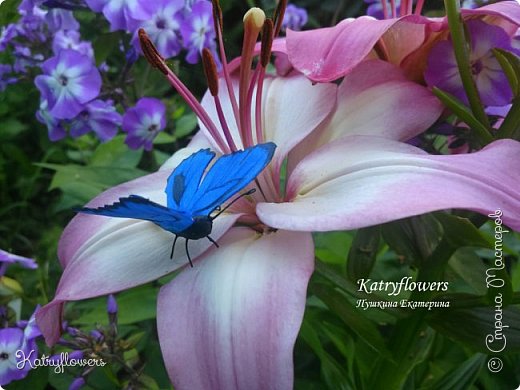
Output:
x,y
231,321
327,54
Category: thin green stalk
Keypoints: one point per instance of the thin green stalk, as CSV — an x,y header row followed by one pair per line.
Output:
x,y
461,50
510,128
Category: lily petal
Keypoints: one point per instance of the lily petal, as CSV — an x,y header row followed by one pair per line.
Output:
x,y
376,99
365,181
332,52
231,321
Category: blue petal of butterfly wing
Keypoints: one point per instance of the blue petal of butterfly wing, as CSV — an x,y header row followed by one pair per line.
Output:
x,y
185,179
230,174
137,207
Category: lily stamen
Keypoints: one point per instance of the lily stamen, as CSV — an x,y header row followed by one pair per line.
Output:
x,y
253,23
219,28
210,69
156,60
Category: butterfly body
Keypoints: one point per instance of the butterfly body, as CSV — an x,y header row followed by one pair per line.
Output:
x,y
193,194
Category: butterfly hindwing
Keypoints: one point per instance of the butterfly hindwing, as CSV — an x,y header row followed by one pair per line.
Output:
x,y
137,207
230,174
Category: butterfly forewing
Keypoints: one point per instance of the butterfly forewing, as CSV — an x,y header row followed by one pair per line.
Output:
x,y
230,174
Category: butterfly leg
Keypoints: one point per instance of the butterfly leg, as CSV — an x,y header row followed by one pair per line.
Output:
x,y
213,241
188,253
173,246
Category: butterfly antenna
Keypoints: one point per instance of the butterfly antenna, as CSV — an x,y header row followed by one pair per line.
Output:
x,y
251,191
188,254
213,241
173,246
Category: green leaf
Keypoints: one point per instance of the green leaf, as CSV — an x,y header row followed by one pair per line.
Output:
x,y
105,44
470,268
11,127
332,247
115,153
461,232
510,127
471,326
413,238
333,374
510,64
363,252
185,125
461,377
135,305
9,11
164,138
463,113
91,179
353,318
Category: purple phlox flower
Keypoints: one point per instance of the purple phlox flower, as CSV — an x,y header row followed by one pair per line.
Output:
x,y
55,127
98,116
7,258
70,39
33,26
376,10
198,31
77,383
70,79
500,111
143,122
18,346
492,83
162,26
13,349
294,18
61,19
24,58
27,6
6,77
121,14
7,33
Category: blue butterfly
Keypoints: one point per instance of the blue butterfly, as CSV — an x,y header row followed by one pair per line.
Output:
x,y
192,198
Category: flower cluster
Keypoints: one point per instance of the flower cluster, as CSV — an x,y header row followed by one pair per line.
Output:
x,y
19,338
173,25
74,100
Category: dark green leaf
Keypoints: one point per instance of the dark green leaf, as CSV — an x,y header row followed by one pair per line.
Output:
x,y
510,64
363,252
413,238
9,11
460,110
471,326
461,232
353,318
105,44
510,127
461,377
